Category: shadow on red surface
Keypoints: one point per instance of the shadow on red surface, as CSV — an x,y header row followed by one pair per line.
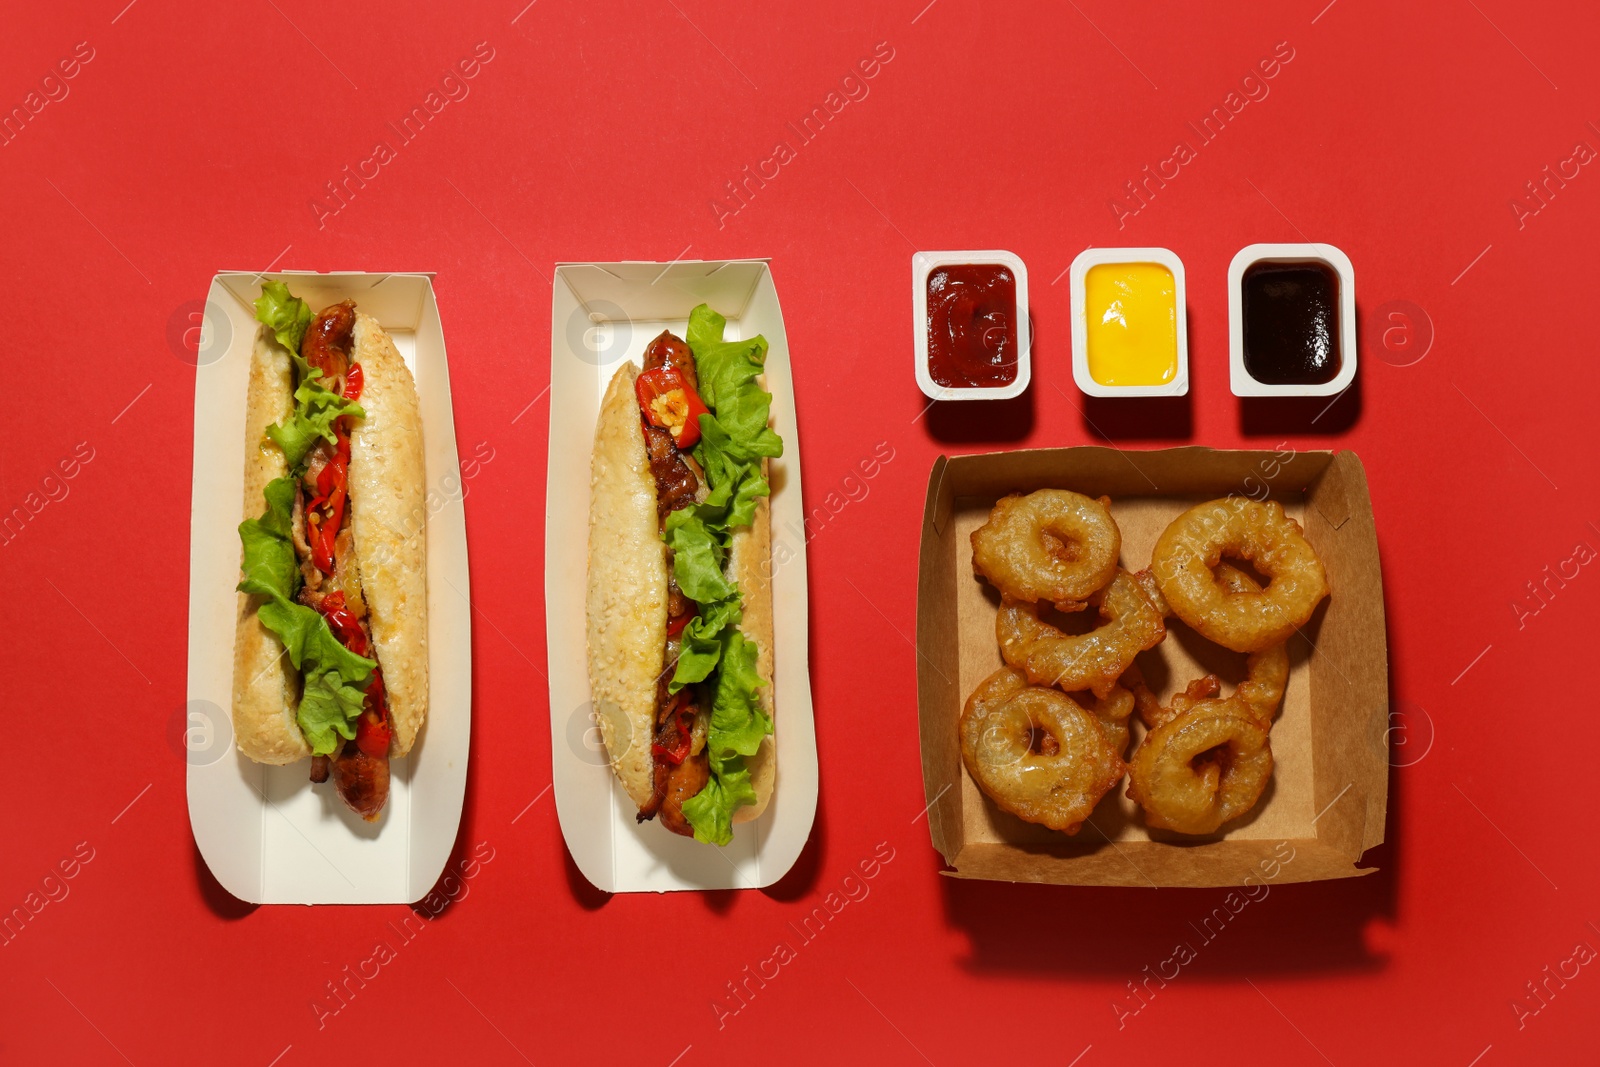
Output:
x,y
1114,419
981,421
1066,930
223,904
1282,416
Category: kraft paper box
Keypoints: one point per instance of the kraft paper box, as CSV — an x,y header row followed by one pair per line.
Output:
x,y
1328,793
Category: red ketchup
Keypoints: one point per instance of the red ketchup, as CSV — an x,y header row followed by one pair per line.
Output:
x,y
972,326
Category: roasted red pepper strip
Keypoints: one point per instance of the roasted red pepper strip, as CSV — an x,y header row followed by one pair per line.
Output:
x,y
332,484
675,625
346,627
680,747
326,512
352,383
372,729
668,402
372,735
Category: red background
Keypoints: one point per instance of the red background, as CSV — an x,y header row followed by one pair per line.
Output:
x,y
196,139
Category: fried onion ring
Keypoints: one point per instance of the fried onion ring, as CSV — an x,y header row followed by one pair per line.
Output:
x,y
1201,769
1112,711
1266,673
1036,753
1052,545
1153,712
995,690
1094,660
1196,541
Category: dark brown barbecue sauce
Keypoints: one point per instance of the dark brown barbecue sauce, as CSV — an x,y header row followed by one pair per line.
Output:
x,y
1291,322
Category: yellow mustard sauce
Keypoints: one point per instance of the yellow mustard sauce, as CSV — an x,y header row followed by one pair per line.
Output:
x,y
1132,316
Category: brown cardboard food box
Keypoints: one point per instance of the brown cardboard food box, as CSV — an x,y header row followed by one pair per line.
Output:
x,y
1329,787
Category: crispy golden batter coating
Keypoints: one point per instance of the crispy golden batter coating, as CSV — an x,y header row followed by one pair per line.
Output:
x,y
1036,753
1051,545
1047,756
1094,660
1201,769
1196,541
1266,673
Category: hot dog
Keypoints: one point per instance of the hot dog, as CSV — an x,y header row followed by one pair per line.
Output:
x,y
679,610
330,648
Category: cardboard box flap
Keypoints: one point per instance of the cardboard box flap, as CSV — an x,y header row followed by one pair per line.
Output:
x,y
662,292
1192,471
398,301
936,508
938,641
1152,866
1352,664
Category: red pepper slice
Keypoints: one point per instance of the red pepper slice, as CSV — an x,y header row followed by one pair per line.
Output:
x,y
686,726
373,731
332,475
680,745
373,735
352,382
668,402
675,625
332,483
346,627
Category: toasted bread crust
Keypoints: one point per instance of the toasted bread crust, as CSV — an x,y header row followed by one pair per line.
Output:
x,y
627,599
388,518
266,686
627,591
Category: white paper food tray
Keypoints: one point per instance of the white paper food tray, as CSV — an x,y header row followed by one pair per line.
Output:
x,y
603,314
265,832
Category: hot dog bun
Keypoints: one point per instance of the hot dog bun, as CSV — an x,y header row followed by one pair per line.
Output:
x,y
388,518
266,686
627,594
627,599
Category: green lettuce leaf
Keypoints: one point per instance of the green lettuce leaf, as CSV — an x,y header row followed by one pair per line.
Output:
x,y
335,678
734,438
710,811
315,409
700,645
727,372
737,726
286,316
315,405
694,535
737,722
269,564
